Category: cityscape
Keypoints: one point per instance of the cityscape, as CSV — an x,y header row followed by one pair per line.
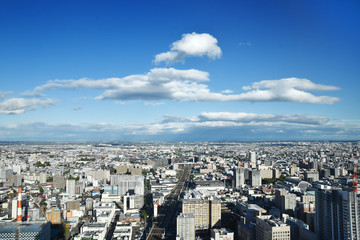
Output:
x,y
203,190
180,120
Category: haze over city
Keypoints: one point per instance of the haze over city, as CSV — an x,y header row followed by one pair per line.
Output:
x,y
179,71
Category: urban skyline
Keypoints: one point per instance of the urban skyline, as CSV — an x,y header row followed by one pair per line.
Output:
x,y
189,71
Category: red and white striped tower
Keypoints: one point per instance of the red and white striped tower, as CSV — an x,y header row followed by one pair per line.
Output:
x,y
19,214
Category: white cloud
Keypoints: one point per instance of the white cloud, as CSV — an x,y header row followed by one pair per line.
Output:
x,y
120,102
311,131
227,91
191,44
32,94
172,118
154,104
287,90
234,120
187,85
4,93
21,105
253,117
206,126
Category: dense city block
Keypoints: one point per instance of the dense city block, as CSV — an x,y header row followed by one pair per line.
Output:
x,y
205,190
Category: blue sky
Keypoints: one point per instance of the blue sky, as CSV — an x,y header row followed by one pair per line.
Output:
x,y
179,70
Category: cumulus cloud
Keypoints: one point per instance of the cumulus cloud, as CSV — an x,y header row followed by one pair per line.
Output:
x,y
21,105
227,91
191,44
172,118
4,93
156,77
59,131
288,90
189,85
206,126
217,120
32,94
243,126
253,117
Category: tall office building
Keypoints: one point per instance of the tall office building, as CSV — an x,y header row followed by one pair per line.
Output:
x,y
255,178
18,180
252,159
185,224
134,184
70,187
239,177
207,213
53,215
337,213
268,228
279,193
215,213
288,202
42,178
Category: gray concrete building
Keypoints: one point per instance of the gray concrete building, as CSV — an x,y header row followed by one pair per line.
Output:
x,y
337,213
185,226
239,177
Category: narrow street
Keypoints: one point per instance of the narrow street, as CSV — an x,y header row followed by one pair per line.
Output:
x,y
166,221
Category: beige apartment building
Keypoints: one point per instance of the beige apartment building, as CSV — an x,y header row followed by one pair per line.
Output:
x,y
207,213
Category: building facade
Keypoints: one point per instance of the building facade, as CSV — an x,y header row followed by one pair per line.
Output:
x,y
337,213
207,213
268,228
134,184
185,226
239,177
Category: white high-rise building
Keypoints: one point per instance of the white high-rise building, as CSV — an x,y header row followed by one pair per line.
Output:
x,y
288,202
255,178
133,184
239,177
253,159
70,186
17,169
42,177
185,226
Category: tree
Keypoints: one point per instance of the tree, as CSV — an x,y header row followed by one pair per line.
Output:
x,y
67,231
74,178
41,190
143,214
